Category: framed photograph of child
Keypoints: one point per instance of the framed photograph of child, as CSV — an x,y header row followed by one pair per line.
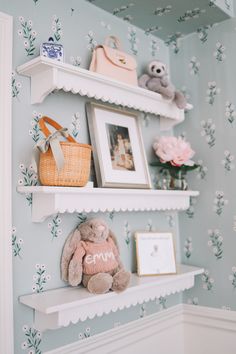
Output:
x,y
155,253
118,150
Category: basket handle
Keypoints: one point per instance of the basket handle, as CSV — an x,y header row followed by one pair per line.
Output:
x,y
54,124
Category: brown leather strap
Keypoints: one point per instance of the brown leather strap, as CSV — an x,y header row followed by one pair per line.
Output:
x,y
54,124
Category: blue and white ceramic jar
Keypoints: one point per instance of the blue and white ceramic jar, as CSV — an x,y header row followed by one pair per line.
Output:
x,y
52,50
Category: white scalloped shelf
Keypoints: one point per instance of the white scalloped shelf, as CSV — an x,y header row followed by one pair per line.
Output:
x,y
60,307
48,75
51,200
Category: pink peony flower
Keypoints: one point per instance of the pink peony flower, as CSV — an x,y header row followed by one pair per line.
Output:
x,y
174,150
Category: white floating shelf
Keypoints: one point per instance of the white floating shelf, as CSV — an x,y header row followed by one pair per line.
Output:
x,y
60,307
48,75
48,201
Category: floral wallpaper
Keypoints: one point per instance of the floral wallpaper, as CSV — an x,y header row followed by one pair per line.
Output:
x,y
169,19
37,247
207,62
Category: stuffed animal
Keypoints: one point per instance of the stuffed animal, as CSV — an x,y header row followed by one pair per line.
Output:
x,y
157,80
91,256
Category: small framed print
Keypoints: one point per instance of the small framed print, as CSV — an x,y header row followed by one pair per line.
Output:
x,y
155,253
118,150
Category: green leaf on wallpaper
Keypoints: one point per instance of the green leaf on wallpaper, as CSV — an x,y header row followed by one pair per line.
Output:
x,y
33,340
29,35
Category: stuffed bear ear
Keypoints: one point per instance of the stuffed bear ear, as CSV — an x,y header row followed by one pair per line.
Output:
x,y
114,239
67,253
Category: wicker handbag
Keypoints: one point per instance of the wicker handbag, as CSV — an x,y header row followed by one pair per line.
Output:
x,y
62,163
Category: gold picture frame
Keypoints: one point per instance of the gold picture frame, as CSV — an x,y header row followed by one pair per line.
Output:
x,y
155,253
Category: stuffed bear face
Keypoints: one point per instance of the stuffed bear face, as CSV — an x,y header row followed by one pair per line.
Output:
x,y
94,230
157,69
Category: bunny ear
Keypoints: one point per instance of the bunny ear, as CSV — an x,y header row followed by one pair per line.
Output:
x,y
68,250
114,239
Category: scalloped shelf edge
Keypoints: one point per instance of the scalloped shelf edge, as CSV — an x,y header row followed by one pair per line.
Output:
x,y
48,75
60,307
48,201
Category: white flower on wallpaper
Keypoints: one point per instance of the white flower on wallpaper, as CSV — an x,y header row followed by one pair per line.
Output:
x,y
127,233
194,66
15,85
227,308
207,281
191,210
85,334
160,11
170,220
203,33
35,131
215,243
154,48
16,244
92,43
56,28
28,34
232,277
201,171
143,310
191,14
133,40
152,29
211,92
230,112
75,125
188,247
208,131
54,226
219,202
106,25
161,301
76,61
40,278
149,226
227,162
193,301
29,178
219,53
33,339
116,11
173,41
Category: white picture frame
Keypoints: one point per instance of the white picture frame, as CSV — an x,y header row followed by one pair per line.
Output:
x,y
155,253
118,150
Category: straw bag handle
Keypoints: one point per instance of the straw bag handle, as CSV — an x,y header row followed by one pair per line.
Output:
x,y
54,124
115,40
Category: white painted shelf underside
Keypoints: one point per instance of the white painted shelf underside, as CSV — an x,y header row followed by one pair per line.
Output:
x,y
48,201
60,307
48,75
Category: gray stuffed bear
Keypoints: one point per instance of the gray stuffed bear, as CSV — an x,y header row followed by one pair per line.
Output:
x,y
157,80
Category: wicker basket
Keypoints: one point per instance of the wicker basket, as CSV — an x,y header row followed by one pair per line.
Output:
x,y
77,159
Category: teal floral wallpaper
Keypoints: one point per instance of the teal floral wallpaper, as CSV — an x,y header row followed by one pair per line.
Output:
x,y
37,247
169,19
207,62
